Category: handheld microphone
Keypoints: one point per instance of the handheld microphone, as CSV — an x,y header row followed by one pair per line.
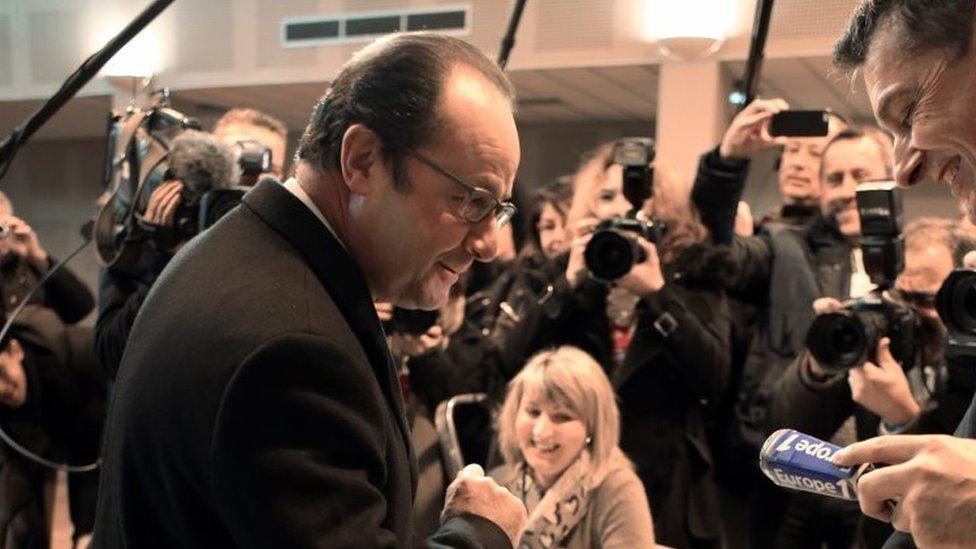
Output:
x,y
801,462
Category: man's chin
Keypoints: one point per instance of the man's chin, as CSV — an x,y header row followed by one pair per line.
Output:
x,y
427,298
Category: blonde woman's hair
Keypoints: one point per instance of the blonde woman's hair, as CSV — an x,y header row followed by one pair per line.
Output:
x,y
571,379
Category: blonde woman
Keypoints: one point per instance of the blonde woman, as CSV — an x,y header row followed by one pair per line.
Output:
x,y
558,433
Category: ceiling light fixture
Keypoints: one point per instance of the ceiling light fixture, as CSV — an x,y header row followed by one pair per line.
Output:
x,y
689,30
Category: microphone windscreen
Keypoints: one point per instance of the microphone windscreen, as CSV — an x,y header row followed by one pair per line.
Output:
x,y
202,162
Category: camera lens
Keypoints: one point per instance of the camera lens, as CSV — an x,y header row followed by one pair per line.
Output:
x,y
956,302
610,255
969,304
838,341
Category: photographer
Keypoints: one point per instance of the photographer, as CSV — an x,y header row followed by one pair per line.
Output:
x,y
723,170
205,164
782,271
917,58
883,395
24,262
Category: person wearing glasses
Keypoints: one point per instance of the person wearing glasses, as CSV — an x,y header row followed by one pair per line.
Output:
x,y
261,407
882,396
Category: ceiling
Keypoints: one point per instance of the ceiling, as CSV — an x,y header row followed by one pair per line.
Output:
x,y
548,95
811,83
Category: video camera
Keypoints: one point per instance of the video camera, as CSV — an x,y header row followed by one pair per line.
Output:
x,y
612,252
146,148
845,339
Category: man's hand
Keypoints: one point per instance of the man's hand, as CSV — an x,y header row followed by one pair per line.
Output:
x,y
473,492
22,240
933,479
13,380
645,278
749,131
162,204
883,388
416,345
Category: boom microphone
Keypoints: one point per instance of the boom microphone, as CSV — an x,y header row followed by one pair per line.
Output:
x,y
801,462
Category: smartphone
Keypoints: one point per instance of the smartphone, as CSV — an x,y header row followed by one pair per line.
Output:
x,y
799,124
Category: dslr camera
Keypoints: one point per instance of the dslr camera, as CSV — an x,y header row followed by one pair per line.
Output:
x,y
613,250
845,339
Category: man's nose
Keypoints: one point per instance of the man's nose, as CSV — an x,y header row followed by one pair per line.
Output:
x,y
909,166
848,190
482,240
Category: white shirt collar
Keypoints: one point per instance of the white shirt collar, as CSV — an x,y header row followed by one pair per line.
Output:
x,y
296,189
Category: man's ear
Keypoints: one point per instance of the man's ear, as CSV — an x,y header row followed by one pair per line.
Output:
x,y
360,156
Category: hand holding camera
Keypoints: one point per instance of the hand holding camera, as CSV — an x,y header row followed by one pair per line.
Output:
x,y
644,278
18,237
162,204
582,233
882,387
161,209
749,131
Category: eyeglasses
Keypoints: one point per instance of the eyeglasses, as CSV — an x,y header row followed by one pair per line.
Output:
x,y
479,203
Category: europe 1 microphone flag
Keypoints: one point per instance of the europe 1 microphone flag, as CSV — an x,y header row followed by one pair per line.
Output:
x,y
801,462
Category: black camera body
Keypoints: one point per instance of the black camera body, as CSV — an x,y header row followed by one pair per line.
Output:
x,y
612,251
845,339
956,304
